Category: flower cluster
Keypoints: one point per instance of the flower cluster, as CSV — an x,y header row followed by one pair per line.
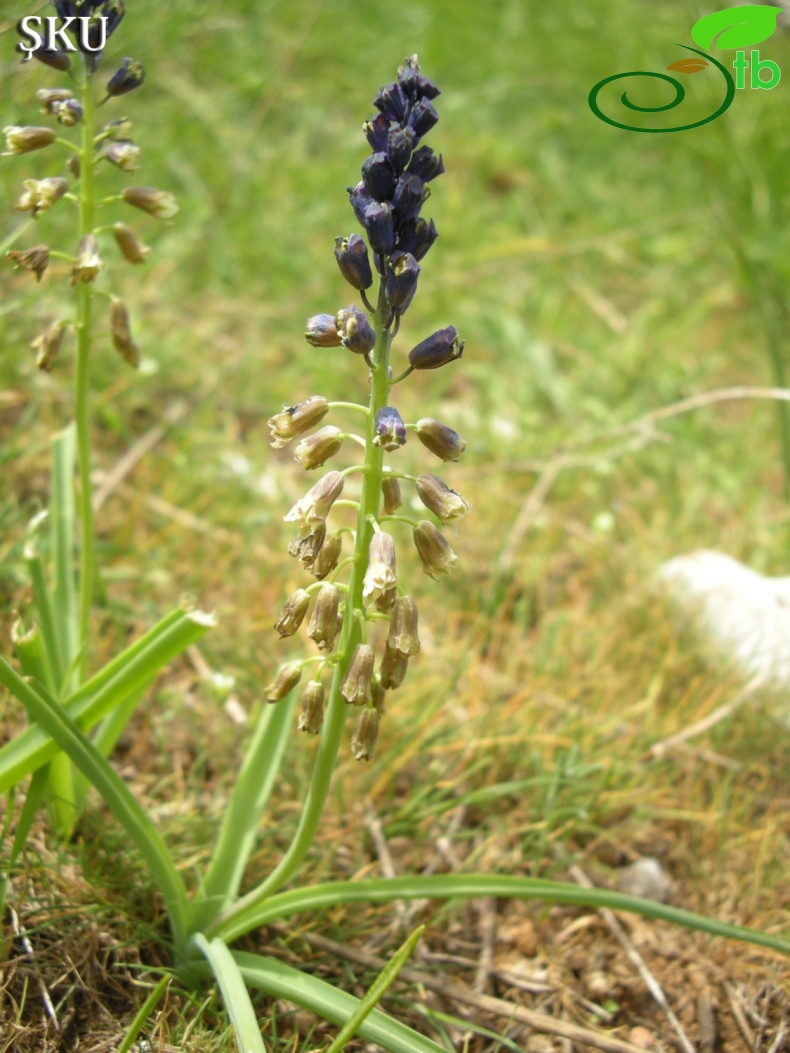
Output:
x,y
87,24
104,18
387,203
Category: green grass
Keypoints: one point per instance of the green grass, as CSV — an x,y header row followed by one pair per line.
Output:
x,y
595,275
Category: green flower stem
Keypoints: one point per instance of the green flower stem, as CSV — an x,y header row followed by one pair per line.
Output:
x,y
337,709
81,388
350,405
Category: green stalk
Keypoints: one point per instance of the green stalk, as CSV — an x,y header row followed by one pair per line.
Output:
x,y
337,709
82,387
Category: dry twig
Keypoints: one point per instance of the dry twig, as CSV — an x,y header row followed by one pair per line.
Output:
x,y
636,960
541,1022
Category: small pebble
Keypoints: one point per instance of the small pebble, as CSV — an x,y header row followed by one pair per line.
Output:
x,y
640,1036
646,878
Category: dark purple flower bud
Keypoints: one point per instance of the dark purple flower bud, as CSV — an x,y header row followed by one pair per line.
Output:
x,y
352,258
407,201
426,164
113,11
377,132
130,75
356,332
360,199
390,429
378,177
417,237
442,347
379,226
416,86
322,331
53,58
422,118
400,284
400,144
392,101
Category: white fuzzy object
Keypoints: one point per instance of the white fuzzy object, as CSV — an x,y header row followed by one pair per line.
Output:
x,y
743,614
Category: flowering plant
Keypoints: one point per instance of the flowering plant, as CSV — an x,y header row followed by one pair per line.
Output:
x,y
365,628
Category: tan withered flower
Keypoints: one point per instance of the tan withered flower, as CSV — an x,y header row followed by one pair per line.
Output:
x,y
122,335
39,195
366,730
322,627
357,682
47,346
402,639
288,676
292,614
437,496
380,575
312,716
316,449
21,140
158,203
297,420
35,259
88,262
438,559
130,245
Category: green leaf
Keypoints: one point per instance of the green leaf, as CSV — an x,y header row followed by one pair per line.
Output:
x,y
465,886
62,527
44,609
132,671
242,817
736,27
282,981
234,994
114,792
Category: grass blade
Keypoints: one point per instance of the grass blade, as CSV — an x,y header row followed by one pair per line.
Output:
x,y
33,799
377,990
142,1015
234,994
465,886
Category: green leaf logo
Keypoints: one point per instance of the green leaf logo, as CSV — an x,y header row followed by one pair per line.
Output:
x,y
736,27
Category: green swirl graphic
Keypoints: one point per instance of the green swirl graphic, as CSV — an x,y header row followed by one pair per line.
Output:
x,y
680,94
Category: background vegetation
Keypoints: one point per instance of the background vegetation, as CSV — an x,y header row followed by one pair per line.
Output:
x,y
595,275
